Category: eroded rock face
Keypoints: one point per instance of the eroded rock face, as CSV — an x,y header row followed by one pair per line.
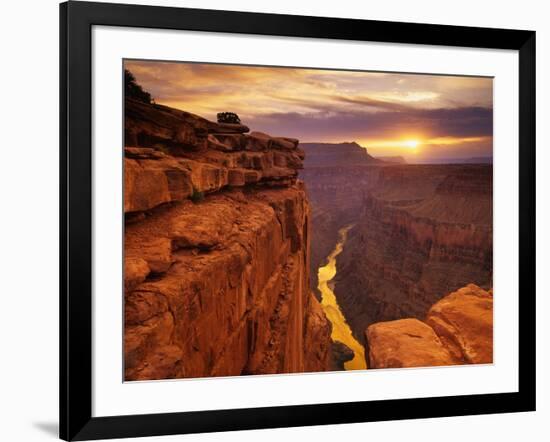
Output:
x,y
457,330
317,335
216,252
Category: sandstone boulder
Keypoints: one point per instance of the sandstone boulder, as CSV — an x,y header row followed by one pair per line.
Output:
x,y
235,177
252,176
233,141
151,182
142,153
463,321
144,188
258,141
216,144
157,252
405,343
285,143
205,177
197,231
164,362
135,272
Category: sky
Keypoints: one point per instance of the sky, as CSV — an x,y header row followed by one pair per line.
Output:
x,y
423,118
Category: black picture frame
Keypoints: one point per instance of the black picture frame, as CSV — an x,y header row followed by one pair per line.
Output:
x,y
76,21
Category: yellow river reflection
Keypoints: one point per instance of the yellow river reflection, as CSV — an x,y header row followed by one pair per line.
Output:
x,y
340,328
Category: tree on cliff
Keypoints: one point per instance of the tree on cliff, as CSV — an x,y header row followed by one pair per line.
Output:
x,y
133,90
228,117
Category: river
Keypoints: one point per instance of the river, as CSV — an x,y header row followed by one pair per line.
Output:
x,y
340,328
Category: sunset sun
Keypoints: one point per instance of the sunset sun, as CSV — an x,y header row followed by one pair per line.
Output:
x,y
412,144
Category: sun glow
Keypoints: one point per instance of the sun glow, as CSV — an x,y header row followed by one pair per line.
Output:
x,y
396,146
411,144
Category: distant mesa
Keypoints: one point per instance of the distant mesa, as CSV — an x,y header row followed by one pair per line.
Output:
x,y
337,154
393,159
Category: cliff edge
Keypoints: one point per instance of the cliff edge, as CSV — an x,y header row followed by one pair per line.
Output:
x,y
216,251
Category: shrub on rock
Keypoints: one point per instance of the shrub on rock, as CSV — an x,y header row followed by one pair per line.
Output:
x,y
228,117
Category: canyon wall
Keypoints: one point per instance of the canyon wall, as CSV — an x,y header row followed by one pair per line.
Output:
x,y
337,177
424,231
336,195
216,251
458,329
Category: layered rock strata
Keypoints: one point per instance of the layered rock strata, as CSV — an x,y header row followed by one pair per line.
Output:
x,y
216,251
458,329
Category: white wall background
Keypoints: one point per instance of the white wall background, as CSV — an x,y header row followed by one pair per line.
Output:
x,y
29,217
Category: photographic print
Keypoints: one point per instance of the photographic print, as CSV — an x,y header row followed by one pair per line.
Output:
x,y
289,220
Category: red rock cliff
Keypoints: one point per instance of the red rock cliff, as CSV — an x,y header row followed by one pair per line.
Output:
x,y
217,251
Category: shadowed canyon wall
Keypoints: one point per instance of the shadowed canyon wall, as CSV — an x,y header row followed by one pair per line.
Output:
x,y
337,177
216,251
424,232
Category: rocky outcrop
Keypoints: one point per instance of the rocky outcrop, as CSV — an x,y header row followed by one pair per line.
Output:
x,y
405,343
424,231
457,330
464,322
317,338
216,251
341,354
171,155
